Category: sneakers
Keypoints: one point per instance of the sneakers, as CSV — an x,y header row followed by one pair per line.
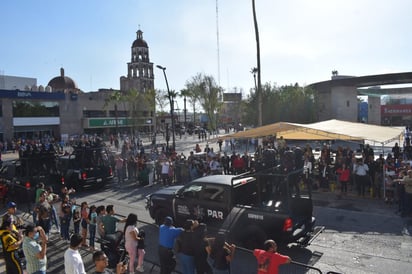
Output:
x,y
139,269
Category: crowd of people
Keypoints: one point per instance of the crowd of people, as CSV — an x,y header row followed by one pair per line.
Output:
x,y
352,170
198,253
189,244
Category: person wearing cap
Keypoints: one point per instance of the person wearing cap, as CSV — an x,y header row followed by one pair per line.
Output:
x,y
35,253
10,214
167,235
268,260
11,241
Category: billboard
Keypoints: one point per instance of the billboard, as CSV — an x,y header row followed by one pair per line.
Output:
x,y
396,110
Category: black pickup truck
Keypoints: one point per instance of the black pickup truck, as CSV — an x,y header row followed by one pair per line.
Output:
x,y
249,208
86,167
21,176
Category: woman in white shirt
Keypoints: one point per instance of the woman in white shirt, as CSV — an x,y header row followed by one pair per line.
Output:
x,y
131,236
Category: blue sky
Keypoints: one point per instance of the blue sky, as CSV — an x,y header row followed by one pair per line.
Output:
x,y
301,40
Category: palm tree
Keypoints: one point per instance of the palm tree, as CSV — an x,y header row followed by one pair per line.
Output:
x,y
185,93
114,97
259,85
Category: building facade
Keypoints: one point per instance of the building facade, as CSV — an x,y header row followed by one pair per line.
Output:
x,y
338,98
62,110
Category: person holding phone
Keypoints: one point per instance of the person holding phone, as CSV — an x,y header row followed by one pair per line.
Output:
x,y
35,253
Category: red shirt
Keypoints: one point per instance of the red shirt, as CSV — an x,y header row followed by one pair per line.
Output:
x,y
238,163
344,174
268,262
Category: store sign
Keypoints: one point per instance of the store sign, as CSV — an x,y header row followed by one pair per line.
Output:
x,y
22,94
396,110
108,122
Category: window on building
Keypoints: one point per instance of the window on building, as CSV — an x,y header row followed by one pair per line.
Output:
x,y
94,113
120,113
23,108
347,103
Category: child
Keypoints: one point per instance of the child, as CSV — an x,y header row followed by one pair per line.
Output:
x,y
76,221
84,215
140,250
92,226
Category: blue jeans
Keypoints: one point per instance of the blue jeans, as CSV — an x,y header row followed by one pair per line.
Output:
x,y
76,226
64,227
92,234
187,263
53,218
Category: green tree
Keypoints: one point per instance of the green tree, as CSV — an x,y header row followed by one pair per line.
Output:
x,y
290,103
114,97
208,93
161,99
193,90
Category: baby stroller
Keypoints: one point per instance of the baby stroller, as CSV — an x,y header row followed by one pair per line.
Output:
x,y
113,246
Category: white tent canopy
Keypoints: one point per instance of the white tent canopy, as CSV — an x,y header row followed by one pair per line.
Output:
x,y
377,134
326,130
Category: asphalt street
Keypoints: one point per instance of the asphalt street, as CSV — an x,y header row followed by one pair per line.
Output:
x,y
362,235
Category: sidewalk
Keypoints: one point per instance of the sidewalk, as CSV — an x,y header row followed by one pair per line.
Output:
x,y
352,202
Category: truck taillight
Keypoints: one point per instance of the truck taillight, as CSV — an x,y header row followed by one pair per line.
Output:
x,y
62,180
84,176
110,171
288,225
27,185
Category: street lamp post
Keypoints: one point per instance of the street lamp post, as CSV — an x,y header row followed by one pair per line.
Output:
x,y
171,102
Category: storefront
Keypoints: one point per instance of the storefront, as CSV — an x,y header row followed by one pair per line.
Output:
x,y
396,115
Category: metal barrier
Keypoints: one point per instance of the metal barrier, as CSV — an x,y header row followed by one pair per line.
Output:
x,y
292,268
296,267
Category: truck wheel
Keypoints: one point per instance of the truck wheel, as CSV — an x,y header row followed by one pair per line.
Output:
x,y
253,237
160,216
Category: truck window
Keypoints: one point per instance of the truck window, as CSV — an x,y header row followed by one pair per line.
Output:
x,y
246,194
213,193
192,191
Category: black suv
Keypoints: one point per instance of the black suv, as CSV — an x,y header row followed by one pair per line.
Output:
x,y
89,165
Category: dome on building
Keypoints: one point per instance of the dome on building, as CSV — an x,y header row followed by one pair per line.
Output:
x,y
139,42
62,82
